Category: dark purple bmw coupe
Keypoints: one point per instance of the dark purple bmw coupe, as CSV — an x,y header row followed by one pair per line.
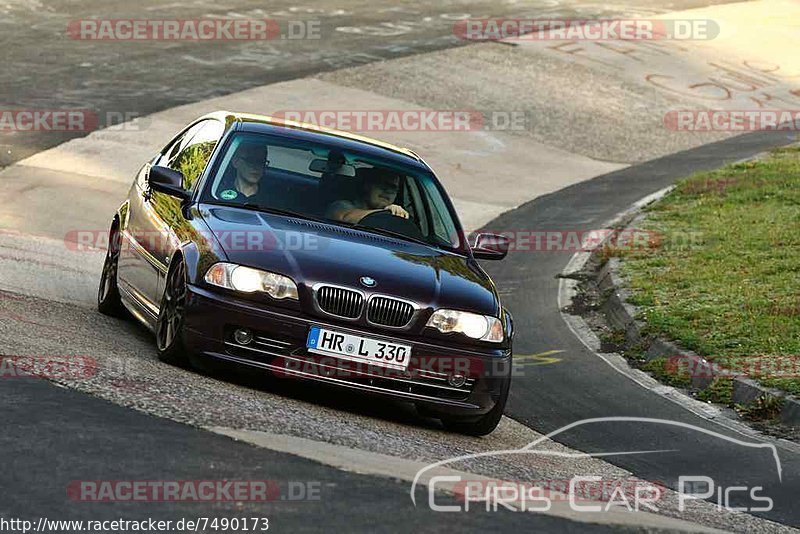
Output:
x,y
315,254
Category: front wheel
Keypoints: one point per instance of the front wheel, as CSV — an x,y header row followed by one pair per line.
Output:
x,y
486,423
170,323
108,299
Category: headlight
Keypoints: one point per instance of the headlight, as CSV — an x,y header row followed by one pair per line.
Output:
x,y
249,280
483,327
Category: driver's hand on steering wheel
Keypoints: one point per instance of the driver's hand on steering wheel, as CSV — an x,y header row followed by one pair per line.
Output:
x,y
397,211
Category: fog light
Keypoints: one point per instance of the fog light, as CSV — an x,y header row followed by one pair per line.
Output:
x,y
456,380
243,336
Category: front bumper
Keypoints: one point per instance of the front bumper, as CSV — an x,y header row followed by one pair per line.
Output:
x,y
279,346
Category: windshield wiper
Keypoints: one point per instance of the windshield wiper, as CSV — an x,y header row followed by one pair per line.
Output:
x,y
280,211
290,213
390,233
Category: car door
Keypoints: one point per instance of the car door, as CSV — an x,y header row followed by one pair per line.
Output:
x,y
150,231
138,265
190,161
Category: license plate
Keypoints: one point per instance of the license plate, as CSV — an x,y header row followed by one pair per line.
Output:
x,y
358,348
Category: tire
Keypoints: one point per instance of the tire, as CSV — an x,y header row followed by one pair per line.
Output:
x,y
170,323
486,423
108,299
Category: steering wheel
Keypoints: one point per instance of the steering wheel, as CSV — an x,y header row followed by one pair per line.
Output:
x,y
385,220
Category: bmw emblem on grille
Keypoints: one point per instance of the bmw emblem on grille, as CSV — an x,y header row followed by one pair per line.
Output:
x,y
368,282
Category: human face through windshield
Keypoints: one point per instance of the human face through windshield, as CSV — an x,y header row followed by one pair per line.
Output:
x,y
249,162
381,193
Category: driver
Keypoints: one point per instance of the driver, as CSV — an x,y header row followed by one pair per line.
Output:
x,y
243,178
378,193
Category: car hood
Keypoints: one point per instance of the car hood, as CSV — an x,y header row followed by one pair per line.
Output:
x,y
311,252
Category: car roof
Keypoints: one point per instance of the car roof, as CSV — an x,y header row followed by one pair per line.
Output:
x,y
248,122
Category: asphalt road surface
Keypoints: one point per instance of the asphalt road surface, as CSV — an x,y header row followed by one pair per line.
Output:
x,y
46,69
582,386
54,435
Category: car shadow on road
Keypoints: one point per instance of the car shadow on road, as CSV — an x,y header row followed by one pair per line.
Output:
x,y
323,395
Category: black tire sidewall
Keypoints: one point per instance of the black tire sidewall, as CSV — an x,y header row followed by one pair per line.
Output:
x,y
487,422
112,303
175,353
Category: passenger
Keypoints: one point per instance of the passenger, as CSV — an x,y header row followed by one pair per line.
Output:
x,y
378,193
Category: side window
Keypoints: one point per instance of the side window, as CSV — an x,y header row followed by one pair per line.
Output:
x,y
413,204
174,149
194,154
442,227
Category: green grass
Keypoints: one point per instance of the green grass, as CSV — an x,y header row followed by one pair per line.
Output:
x,y
723,278
764,407
720,391
659,368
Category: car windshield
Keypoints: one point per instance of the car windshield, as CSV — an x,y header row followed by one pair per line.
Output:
x,y
326,183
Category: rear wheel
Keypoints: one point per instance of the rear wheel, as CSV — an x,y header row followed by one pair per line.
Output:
x,y
170,323
108,299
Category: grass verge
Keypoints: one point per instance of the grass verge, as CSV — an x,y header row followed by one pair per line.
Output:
x,y
720,272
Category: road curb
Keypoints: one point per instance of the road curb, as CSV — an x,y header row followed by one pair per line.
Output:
x,y
450,480
621,316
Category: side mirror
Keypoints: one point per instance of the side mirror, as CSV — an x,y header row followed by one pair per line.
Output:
x,y
167,181
490,247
